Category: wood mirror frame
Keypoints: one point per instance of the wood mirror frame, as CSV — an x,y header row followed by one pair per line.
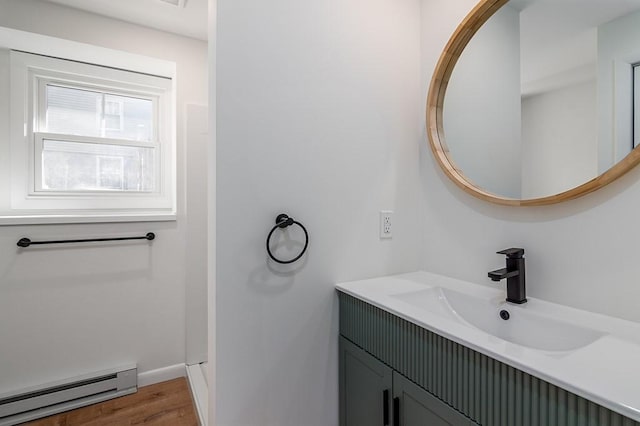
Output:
x,y
435,128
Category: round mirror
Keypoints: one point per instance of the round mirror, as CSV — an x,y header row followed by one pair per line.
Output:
x,y
538,101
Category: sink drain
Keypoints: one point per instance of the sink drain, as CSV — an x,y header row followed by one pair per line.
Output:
x,y
504,315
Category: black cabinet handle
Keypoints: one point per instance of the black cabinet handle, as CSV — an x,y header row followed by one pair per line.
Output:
x,y
396,411
385,407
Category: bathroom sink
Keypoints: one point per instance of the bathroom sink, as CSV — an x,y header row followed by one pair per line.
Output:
x,y
592,355
430,299
524,327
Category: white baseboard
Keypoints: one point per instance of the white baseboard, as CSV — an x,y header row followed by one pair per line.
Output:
x,y
199,391
161,375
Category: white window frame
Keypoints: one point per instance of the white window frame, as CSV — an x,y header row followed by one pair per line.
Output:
x,y
29,201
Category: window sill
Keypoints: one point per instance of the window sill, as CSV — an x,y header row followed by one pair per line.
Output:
x,y
50,219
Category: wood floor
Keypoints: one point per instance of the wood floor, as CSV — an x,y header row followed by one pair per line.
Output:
x,y
168,403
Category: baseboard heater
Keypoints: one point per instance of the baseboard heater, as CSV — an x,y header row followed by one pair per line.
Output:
x,y
45,400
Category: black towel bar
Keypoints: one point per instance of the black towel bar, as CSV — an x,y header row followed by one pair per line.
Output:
x,y
26,242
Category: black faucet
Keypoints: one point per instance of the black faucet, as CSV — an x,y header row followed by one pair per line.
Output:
x,y
514,273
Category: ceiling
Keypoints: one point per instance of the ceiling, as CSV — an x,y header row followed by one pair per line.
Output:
x,y
190,21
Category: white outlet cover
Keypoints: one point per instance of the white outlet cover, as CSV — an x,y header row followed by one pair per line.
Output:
x,y
386,224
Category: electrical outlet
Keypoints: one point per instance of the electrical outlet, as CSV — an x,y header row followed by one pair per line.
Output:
x,y
386,224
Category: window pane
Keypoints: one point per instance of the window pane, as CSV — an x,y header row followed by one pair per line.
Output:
x,y
128,118
73,111
87,113
74,166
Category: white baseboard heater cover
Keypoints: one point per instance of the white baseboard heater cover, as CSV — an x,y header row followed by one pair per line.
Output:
x,y
41,401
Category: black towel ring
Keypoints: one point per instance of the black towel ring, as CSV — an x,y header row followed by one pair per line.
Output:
x,y
283,221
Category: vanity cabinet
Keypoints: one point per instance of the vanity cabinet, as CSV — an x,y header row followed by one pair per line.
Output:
x,y
417,407
440,382
365,387
372,393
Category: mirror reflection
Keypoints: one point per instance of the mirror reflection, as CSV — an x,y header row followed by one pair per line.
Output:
x,y
542,98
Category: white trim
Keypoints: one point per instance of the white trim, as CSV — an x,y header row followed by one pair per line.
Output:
x,y
83,52
636,105
163,374
212,214
94,140
84,218
199,391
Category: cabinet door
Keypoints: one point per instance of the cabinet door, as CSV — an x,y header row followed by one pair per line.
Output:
x,y
365,388
414,406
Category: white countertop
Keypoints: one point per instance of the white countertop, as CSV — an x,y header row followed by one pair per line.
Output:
x,y
606,371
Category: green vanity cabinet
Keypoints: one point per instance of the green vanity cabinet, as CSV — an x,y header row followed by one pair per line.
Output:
x,y
372,394
365,387
417,407
435,381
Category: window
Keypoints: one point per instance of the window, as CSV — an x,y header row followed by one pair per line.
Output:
x,y
78,128
90,139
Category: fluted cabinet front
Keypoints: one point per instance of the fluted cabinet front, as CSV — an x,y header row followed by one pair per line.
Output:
x,y
487,391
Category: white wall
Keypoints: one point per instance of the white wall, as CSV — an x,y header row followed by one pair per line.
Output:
x,y
70,310
581,253
482,107
197,252
319,116
559,140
